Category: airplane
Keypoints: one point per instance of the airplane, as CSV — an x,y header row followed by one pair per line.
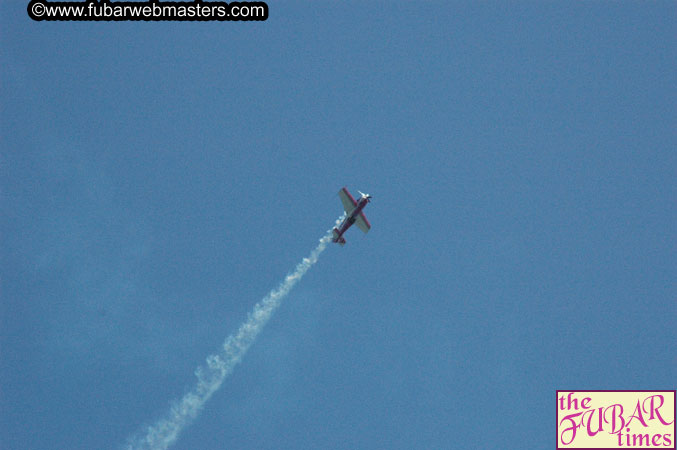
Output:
x,y
354,214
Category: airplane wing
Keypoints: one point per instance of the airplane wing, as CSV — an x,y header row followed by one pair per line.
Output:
x,y
362,222
348,201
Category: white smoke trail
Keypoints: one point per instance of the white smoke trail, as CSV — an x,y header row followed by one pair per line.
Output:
x,y
219,365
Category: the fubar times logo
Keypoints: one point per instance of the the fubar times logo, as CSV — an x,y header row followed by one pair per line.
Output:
x,y
616,420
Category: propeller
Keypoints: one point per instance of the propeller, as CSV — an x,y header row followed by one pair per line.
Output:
x,y
367,196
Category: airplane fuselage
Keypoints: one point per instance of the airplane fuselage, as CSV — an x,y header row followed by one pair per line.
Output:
x,y
350,219
354,215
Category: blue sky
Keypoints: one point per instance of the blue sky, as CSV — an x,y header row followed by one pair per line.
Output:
x,y
158,179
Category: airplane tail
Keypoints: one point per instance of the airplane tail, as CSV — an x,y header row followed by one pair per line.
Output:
x,y
337,237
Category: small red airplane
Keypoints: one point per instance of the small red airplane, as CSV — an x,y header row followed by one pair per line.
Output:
x,y
354,214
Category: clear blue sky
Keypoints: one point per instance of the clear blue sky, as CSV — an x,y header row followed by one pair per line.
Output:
x,y
158,179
